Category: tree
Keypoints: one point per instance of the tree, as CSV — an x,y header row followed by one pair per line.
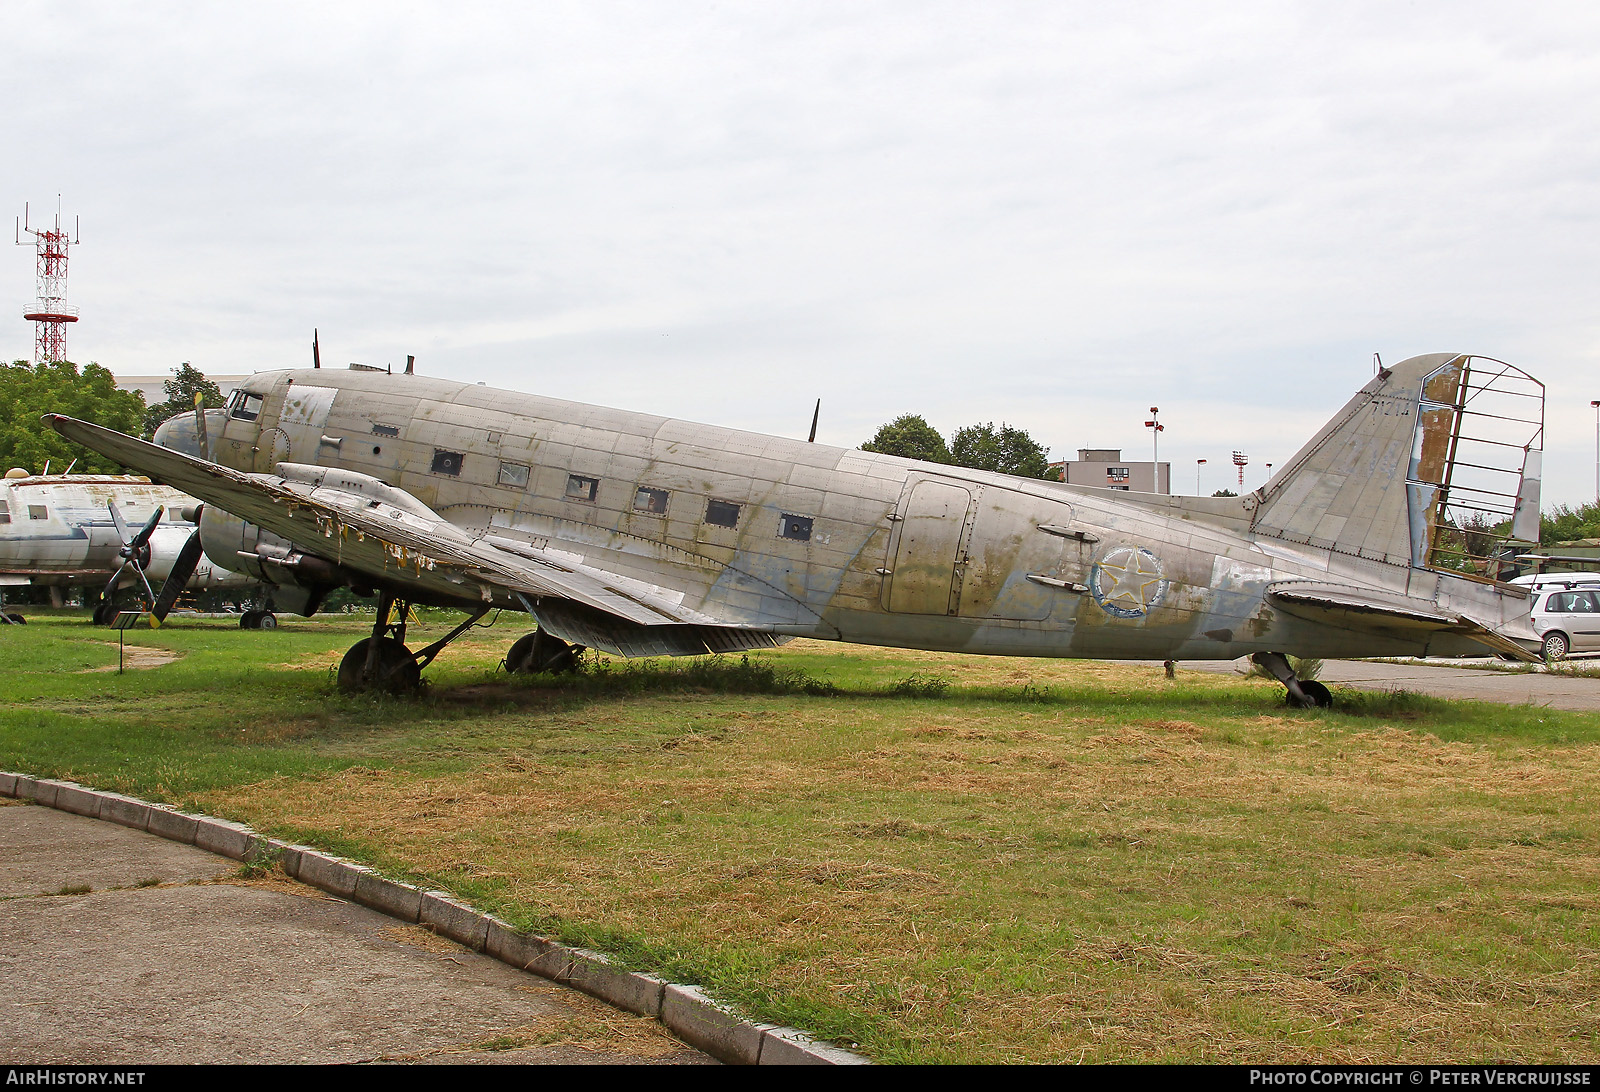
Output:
x,y
909,437
1005,450
1224,493
186,382
29,391
1564,524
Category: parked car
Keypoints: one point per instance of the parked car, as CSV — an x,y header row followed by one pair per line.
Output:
x,y
1559,580
1567,620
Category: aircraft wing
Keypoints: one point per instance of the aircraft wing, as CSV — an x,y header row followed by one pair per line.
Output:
x,y
1348,607
414,547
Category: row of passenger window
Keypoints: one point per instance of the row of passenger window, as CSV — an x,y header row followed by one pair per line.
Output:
x,y
646,499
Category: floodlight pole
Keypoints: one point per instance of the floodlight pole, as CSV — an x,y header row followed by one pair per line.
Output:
x,y
1198,463
1156,428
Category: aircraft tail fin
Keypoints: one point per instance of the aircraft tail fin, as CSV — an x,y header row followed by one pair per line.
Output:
x,y
1434,464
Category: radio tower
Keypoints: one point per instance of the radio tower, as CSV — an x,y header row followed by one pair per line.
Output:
x,y
52,314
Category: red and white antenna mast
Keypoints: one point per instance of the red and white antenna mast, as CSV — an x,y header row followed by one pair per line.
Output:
x,y
52,313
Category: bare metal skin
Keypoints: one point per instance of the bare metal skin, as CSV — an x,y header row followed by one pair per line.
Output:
x,y
643,535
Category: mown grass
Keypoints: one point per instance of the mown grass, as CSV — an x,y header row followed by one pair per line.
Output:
x,y
938,858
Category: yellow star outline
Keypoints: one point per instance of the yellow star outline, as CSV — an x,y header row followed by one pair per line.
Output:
x,y
1129,581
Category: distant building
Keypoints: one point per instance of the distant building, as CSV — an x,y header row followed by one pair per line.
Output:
x,y
153,387
1105,467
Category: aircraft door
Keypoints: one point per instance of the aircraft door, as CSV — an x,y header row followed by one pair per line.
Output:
x,y
927,559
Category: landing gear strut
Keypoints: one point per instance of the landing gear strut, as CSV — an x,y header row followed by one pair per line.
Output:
x,y
1303,693
542,652
382,662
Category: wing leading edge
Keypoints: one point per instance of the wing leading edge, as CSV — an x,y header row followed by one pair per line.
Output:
x,y
409,545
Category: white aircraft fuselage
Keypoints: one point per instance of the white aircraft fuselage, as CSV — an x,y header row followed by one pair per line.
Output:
x,y
57,530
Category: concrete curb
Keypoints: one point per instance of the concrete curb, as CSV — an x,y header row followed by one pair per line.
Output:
x,y
685,1010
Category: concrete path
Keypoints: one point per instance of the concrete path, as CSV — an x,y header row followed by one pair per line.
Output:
x,y
1512,688
103,966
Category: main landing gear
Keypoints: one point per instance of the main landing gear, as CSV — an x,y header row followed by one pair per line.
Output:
x,y
1303,693
542,652
382,662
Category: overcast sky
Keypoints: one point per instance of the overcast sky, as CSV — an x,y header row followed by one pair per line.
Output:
x,y
1051,214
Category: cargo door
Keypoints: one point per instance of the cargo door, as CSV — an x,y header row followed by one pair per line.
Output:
x,y
926,558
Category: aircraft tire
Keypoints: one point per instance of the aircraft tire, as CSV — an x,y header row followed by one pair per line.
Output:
x,y
267,620
396,668
249,619
105,613
16,619
1555,647
538,652
1316,692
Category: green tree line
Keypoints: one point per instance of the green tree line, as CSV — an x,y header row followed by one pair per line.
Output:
x,y
1005,450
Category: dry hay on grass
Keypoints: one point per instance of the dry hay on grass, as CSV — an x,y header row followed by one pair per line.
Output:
x,y
135,657
1364,848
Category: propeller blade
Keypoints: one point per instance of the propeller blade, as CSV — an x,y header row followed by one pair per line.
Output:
x,y
200,425
148,529
110,594
116,518
182,569
150,595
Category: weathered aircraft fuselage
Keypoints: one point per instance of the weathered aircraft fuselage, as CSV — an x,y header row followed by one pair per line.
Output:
x,y
812,540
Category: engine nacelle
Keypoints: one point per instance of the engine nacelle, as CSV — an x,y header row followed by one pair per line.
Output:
x,y
298,581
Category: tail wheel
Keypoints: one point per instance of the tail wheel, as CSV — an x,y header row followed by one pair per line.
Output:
x,y
1555,647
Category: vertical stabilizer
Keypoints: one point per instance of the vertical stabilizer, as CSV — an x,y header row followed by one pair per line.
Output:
x,y
1434,464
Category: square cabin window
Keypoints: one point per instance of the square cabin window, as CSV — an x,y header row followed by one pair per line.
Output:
x,y
795,527
582,488
38,511
5,512
447,462
514,475
653,501
722,513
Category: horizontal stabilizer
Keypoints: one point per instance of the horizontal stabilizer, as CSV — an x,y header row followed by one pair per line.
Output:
x,y
1346,607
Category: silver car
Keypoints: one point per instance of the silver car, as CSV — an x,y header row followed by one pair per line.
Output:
x,y
1568,620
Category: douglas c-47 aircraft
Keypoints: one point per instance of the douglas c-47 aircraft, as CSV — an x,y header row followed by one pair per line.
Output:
x,y
645,536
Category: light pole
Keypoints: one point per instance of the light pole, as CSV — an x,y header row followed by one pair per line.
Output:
x,y
1198,463
1596,405
1156,428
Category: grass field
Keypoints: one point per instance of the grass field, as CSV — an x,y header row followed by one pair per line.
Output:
x,y
941,859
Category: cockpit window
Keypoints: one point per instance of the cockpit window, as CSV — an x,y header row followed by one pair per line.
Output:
x,y
244,406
